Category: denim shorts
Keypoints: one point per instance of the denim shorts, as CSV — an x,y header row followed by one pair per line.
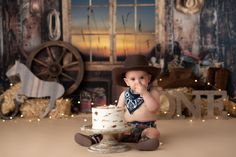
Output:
x,y
137,130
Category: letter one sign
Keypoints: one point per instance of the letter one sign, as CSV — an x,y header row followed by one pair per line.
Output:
x,y
178,99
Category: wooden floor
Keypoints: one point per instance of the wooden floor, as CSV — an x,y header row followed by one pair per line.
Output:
x,y
54,138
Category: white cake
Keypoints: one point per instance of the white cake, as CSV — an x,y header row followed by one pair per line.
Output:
x,y
107,118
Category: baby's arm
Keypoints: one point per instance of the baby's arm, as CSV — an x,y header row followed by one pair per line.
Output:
x,y
121,101
152,100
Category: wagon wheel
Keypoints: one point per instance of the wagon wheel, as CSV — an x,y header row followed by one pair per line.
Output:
x,y
57,61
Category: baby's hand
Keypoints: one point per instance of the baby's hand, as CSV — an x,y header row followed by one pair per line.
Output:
x,y
140,88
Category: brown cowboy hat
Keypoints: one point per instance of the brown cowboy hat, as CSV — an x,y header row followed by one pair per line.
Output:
x,y
133,62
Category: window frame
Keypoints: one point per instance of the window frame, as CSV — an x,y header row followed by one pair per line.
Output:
x,y
105,65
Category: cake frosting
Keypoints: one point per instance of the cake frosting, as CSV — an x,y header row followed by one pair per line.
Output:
x,y
108,117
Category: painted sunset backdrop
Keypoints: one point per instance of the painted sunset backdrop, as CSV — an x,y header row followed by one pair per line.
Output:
x,y
91,26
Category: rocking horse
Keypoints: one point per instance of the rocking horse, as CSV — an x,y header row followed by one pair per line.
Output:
x,y
32,86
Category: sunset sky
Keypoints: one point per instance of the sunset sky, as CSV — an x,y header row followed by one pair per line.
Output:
x,y
97,24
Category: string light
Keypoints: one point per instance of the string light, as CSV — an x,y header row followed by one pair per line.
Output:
x,y
92,103
36,119
203,120
214,87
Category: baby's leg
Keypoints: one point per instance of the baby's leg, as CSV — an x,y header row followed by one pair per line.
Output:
x,y
151,133
86,141
132,136
149,140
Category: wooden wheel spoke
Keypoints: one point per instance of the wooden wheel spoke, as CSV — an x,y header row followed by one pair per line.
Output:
x,y
40,62
43,73
72,68
50,78
68,77
70,65
61,56
58,80
49,52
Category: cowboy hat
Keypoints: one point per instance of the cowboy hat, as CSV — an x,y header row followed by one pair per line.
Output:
x,y
133,62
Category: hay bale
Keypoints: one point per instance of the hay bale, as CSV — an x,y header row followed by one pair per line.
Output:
x,y
33,108
231,108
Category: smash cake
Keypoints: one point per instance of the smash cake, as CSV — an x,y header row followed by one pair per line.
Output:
x,y
108,118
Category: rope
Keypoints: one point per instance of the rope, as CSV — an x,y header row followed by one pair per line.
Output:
x,y
189,6
54,34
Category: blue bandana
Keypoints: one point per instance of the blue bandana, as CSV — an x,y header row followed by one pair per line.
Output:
x,y
132,101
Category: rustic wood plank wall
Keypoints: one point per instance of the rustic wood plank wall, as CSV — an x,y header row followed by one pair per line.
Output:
x,y
214,28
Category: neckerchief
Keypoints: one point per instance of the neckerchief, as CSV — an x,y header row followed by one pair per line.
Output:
x,y
132,101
